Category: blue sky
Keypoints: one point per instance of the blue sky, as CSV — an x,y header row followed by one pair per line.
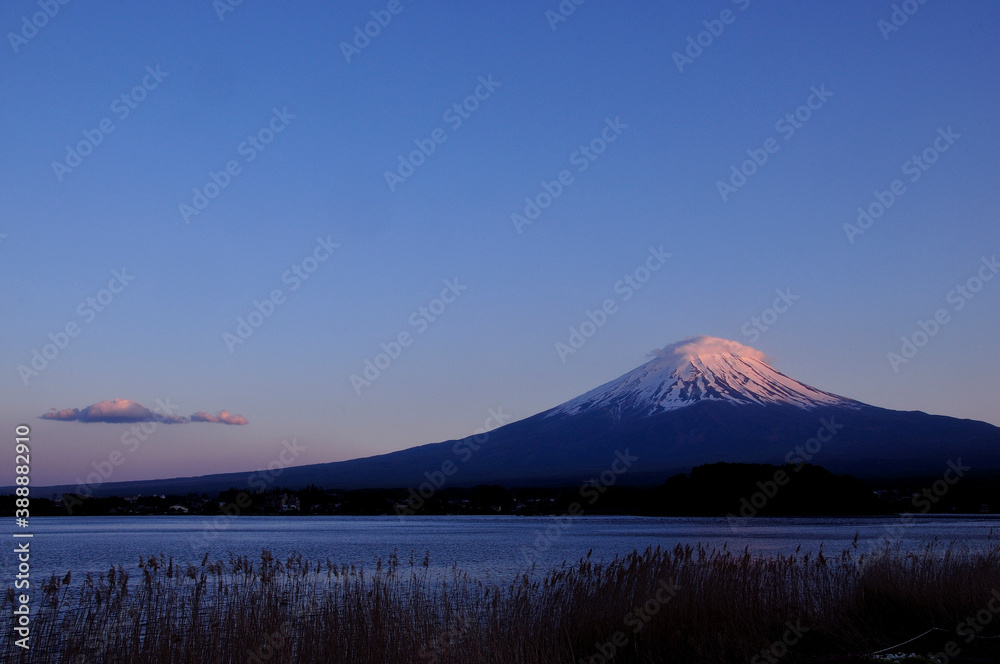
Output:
x,y
552,91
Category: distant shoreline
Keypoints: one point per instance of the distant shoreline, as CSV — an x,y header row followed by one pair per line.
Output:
x,y
735,491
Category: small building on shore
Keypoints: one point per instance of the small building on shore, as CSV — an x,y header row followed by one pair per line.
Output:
x,y
283,502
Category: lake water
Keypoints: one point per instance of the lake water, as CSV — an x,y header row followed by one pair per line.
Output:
x,y
490,547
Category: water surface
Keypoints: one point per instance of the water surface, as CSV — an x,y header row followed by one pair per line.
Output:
x,y
488,546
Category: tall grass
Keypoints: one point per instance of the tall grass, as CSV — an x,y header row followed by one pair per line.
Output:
x,y
714,606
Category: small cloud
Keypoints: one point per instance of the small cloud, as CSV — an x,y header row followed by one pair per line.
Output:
x,y
704,345
118,411
67,414
224,416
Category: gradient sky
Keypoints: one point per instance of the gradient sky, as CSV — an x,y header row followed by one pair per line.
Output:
x,y
494,346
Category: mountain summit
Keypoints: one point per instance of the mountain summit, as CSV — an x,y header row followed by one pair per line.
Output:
x,y
701,369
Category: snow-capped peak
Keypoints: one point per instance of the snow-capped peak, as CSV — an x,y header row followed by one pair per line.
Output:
x,y
701,369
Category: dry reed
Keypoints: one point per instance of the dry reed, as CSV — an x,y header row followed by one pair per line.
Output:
x,y
703,606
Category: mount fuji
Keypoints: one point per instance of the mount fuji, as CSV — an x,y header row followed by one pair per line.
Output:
x,y
702,400
696,370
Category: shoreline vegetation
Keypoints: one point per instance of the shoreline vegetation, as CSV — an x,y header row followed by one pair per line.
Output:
x,y
687,604
721,489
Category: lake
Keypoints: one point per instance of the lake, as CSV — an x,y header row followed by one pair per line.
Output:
x,y
494,547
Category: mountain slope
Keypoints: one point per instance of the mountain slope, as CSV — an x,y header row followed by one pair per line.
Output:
x,y
699,401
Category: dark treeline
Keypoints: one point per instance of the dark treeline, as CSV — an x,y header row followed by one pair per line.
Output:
x,y
720,489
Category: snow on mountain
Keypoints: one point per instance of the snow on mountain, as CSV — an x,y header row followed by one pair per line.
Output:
x,y
701,369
